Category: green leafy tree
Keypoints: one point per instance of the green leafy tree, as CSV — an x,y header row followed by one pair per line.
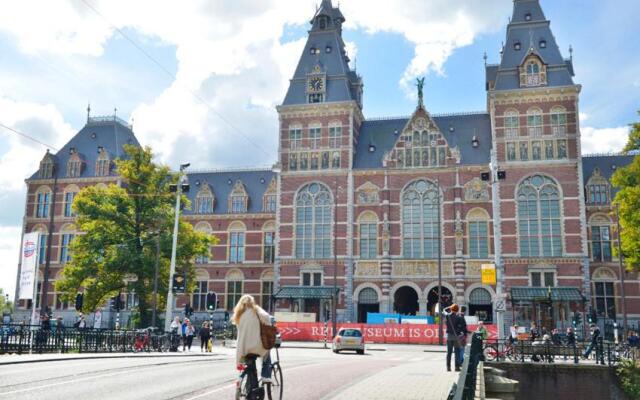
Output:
x,y
627,180
5,305
121,227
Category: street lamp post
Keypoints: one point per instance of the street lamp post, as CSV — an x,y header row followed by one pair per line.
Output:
x,y
440,328
623,303
497,246
334,319
172,268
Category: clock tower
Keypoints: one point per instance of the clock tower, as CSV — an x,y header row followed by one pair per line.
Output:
x,y
320,120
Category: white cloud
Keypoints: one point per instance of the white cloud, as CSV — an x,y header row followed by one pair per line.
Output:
x,y
9,254
603,140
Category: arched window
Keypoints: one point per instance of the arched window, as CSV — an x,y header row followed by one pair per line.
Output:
x,y
480,296
66,236
368,296
420,230
70,193
199,297
269,242
42,243
601,242
236,242
238,199
598,189
43,202
368,234
478,225
234,280
266,290
534,122
558,121
204,200
46,166
313,222
533,73
539,217
511,124
74,165
203,227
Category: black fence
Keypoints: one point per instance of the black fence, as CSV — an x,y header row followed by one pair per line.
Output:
x,y
21,339
465,388
601,352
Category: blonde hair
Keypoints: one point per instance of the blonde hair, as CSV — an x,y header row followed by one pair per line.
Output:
x,y
246,301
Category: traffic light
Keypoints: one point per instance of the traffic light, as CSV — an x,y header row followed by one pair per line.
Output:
x,y
79,300
211,301
577,319
179,283
593,317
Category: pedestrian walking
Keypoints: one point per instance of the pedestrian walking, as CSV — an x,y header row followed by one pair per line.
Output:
x,y
482,330
454,334
174,328
634,344
571,342
534,333
189,332
595,336
513,334
462,328
205,335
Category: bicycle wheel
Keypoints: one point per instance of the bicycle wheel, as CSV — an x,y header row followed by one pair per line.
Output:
x,y
241,388
490,353
275,388
513,354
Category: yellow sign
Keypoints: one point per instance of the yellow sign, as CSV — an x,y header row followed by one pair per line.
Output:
x,y
488,274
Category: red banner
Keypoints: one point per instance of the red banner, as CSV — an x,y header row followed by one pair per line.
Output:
x,y
387,333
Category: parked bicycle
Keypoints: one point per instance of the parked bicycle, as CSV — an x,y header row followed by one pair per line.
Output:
x,y
249,387
499,351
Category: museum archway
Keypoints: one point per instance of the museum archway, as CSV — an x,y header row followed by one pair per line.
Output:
x,y
367,303
405,301
432,299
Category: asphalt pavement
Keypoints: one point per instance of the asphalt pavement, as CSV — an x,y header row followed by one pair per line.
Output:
x,y
313,373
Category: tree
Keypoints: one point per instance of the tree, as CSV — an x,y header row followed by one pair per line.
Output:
x,y
5,304
627,180
120,226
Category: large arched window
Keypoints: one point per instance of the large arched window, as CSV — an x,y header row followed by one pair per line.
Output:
x,y
539,220
420,230
478,231
313,222
534,122
368,235
511,124
601,241
43,202
205,200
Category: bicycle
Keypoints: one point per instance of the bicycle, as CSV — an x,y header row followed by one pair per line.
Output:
x,y
249,387
509,350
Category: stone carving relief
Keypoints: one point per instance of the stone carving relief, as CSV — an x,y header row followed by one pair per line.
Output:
x,y
421,268
473,268
476,190
367,269
368,194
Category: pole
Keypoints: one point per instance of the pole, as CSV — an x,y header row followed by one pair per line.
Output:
x,y
32,327
440,328
623,303
45,282
155,283
334,305
172,268
497,245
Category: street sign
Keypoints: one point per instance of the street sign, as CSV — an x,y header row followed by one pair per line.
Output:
x,y
500,304
488,274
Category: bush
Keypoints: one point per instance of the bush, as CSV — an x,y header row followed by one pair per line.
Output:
x,y
629,374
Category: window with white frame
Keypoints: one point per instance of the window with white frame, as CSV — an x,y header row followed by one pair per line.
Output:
x,y
543,278
598,189
558,121
234,292
539,217
42,247
311,278
236,247
43,204
295,138
335,136
368,233
534,122
74,165
265,291
511,124
314,208
478,226
268,247
315,134
68,203
199,296
270,203
420,229
103,163
46,168
204,200
65,241
601,243
533,74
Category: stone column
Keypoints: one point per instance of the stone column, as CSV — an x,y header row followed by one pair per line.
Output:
x,y
422,305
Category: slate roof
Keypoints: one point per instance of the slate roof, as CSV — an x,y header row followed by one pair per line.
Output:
x,y
530,33
607,164
221,183
111,133
341,80
382,135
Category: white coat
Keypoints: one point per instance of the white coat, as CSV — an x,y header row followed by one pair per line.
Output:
x,y
249,341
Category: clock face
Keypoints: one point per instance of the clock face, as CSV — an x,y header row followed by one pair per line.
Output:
x,y
316,84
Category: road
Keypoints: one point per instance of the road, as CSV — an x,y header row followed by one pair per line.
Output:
x,y
384,372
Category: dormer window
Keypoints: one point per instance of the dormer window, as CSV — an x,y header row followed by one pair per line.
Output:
x,y
533,72
270,200
46,168
74,165
328,49
316,98
238,199
517,46
543,44
598,189
322,22
527,17
312,51
205,200
103,163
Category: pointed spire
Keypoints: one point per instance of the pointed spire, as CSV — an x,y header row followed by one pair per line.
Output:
x,y
88,111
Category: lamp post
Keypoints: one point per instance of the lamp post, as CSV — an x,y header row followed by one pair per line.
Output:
x,y
440,328
495,177
172,269
44,304
334,319
623,303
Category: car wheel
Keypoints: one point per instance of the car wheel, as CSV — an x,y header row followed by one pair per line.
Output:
x,y
361,352
336,351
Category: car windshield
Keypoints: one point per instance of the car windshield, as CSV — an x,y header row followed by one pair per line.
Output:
x,y
351,333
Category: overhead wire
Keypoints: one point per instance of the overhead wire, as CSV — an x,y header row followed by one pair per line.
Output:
x,y
29,137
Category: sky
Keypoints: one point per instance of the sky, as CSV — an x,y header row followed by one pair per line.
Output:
x,y
200,79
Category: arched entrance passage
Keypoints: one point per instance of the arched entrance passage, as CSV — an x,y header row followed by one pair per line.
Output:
x,y
405,301
368,302
432,299
480,304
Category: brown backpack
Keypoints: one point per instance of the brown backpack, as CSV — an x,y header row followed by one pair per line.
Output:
x,y
267,334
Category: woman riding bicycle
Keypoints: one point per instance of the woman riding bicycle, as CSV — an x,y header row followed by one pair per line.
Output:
x,y
247,317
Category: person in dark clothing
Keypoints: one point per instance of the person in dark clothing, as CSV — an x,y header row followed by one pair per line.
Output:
x,y
205,335
462,335
454,333
534,333
595,336
555,337
571,341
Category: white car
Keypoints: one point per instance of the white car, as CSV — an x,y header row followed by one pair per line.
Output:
x,y
348,339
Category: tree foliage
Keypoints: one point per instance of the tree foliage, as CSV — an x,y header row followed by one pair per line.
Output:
x,y
121,227
5,306
627,180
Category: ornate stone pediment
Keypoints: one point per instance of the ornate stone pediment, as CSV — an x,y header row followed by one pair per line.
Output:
x,y
368,193
476,190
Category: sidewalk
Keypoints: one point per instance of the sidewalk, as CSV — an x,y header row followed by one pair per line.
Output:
x,y
9,359
369,346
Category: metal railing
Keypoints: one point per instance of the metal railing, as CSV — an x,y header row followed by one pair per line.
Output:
x,y
465,388
23,339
